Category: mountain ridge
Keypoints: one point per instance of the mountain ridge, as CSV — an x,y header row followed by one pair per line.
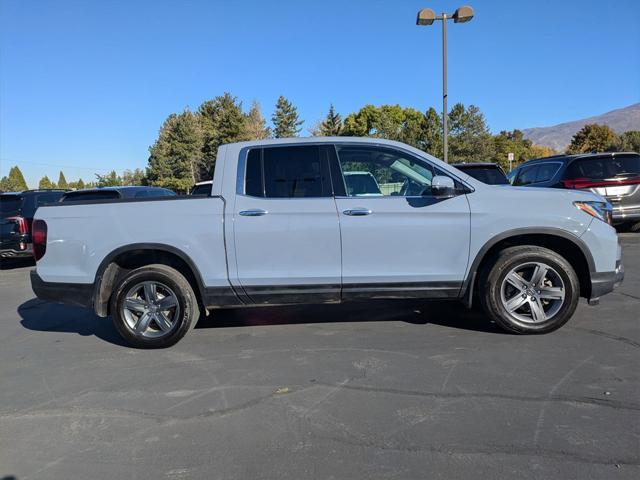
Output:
x,y
559,136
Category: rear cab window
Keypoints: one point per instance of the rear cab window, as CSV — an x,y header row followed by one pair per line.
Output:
x,y
287,172
10,204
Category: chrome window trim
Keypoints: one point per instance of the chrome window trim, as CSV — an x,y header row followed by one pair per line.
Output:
x,y
244,152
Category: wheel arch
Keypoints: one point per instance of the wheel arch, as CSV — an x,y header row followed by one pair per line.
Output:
x,y
128,257
569,246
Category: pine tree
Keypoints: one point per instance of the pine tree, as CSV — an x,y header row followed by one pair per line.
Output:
x,y
331,126
286,122
433,133
255,124
222,122
62,181
14,182
176,156
45,183
80,184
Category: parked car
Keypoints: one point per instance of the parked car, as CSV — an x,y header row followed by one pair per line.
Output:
x,y
280,227
114,193
361,184
489,173
16,216
615,176
202,188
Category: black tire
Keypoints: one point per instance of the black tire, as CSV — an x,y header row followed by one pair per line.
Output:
x,y
634,227
491,290
185,314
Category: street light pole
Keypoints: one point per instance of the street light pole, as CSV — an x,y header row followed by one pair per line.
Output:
x,y
426,16
445,111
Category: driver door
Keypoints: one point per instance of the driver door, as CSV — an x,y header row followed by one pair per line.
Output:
x,y
397,239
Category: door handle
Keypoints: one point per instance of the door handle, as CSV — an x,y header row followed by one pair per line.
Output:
x,y
257,212
357,212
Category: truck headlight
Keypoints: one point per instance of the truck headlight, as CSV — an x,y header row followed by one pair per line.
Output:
x,y
599,210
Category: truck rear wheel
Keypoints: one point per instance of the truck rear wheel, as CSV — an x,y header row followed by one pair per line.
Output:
x,y
154,307
529,289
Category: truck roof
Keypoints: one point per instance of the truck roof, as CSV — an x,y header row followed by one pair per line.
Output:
x,y
301,140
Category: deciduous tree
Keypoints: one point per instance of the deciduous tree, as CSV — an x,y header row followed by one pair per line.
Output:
x,y
255,124
111,179
594,138
630,141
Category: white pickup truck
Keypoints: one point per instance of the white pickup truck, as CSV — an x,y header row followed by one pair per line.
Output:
x,y
282,226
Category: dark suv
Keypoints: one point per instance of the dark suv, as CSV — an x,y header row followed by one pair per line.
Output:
x,y
16,215
489,173
615,176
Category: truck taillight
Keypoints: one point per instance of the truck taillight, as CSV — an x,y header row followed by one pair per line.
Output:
x,y
21,222
39,238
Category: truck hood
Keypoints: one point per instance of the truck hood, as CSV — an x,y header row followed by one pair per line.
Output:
x,y
559,193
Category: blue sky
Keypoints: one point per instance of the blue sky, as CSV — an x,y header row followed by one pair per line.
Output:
x,y
85,85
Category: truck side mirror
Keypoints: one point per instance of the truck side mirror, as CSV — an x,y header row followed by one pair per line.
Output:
x,y
443,187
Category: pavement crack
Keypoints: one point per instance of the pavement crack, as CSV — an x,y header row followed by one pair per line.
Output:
x,y
610,336
571,400
464,451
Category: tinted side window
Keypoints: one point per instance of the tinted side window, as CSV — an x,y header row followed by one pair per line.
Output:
x,y
46,198
253,174
287,172
527,175
202,189
546,172
376,171
89,196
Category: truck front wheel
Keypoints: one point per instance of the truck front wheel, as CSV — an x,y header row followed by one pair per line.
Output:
x,y
529,289
154,306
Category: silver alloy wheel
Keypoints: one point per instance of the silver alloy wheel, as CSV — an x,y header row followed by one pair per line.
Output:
x,y
150,309
532,292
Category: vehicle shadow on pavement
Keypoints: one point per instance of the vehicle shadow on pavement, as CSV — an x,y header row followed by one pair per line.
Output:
x,y
446,314
43,316
19,262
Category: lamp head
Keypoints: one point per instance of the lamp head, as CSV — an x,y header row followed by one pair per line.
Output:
x,y
426,16
463,14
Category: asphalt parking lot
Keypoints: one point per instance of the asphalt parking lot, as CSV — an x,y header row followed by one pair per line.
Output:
x,y
378,390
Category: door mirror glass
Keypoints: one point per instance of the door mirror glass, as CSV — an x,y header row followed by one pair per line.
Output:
x,y
443,187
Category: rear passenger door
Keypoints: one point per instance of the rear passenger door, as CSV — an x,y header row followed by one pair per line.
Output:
x,y
286,229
